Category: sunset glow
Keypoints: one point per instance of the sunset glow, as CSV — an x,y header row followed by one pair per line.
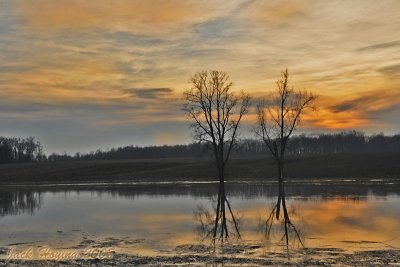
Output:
x,y
80,75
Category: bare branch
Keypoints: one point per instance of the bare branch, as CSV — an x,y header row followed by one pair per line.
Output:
x,y
277,121
215,112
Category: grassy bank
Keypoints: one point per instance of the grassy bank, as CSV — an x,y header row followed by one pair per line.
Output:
x,y
377,165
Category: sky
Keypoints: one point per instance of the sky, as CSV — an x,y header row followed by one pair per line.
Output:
x,y
82,75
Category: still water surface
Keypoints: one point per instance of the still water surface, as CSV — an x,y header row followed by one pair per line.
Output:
x,y
149,219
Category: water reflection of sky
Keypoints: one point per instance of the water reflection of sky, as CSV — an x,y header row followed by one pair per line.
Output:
x,y
163,218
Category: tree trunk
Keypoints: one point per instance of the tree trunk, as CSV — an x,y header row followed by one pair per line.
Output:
x,y
217,214
223,223
281,191
220,217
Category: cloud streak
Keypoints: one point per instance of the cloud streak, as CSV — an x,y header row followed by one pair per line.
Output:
x,y
149,93
386,45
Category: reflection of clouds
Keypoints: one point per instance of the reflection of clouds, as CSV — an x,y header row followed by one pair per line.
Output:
x,y
160,219
332,222
340,220
173,229
160,231
169,219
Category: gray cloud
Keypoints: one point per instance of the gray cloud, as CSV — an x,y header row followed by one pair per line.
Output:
x,y
343,107
74,135
356,103
128,38
14,68
87,126
390,70
149,93
380,46
217,29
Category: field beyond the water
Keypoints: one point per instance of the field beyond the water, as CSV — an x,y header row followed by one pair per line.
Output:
x,y
376,165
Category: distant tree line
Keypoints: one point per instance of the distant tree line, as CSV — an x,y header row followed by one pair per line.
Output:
x,y
20,150
29,150
344,142
137,152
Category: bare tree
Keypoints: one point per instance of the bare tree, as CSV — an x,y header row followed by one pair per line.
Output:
x,y
216,111
278,118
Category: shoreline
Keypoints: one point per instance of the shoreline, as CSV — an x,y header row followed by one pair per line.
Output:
x,y
234,256
109,184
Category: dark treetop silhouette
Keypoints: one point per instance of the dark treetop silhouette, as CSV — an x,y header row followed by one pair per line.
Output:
x,y
278,117
314,144
20,150
216,112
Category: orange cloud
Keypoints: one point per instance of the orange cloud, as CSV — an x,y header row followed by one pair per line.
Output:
x,y
278,11
75,81
355,111
142,16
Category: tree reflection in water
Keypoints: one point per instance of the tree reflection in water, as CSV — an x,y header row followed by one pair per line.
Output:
x,y
19,202
220,224
281,229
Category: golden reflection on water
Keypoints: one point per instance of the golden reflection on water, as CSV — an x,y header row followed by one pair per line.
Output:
x,y
351,225
339,223
335,223
156,226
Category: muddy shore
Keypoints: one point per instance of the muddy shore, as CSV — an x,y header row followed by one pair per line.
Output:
x,y
301,257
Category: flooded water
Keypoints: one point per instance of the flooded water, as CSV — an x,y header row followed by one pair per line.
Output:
x,y
157,218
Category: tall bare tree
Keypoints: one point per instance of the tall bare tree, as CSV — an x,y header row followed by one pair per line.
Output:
x,y
278,117
216,111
